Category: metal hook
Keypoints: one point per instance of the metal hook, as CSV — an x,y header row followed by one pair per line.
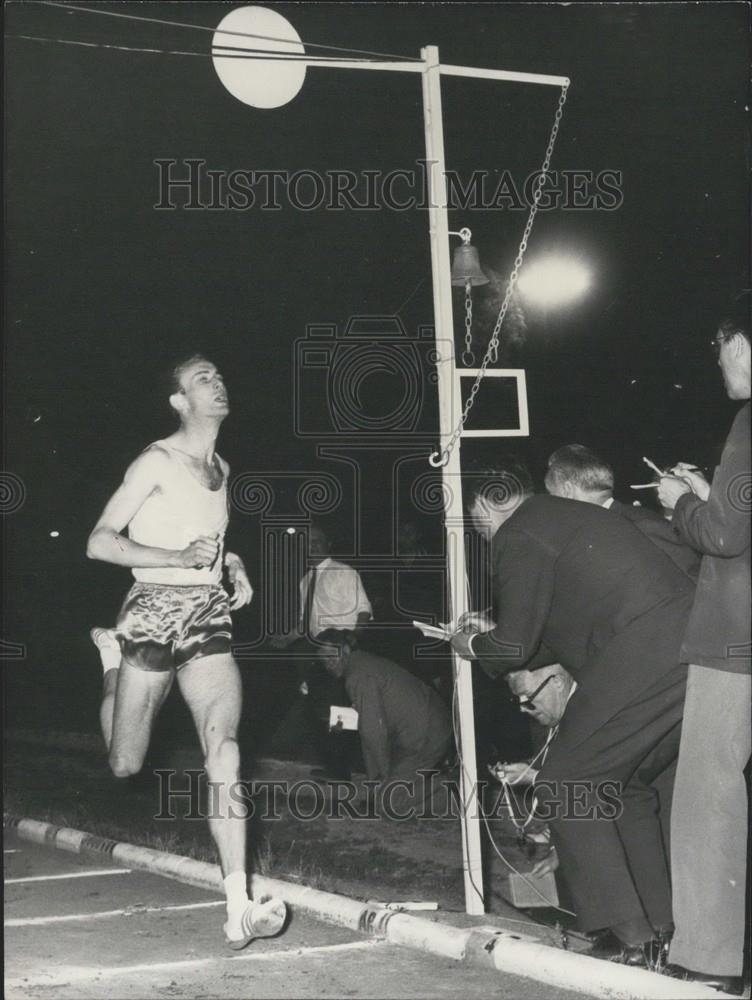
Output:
x,y
438,459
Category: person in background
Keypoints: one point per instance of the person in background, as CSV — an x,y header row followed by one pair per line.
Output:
x,y
403,724
709,821
332,596
577,473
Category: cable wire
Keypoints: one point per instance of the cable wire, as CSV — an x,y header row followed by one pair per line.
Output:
x,y
399,309
267,56
484,817
242,34
107,45
455,709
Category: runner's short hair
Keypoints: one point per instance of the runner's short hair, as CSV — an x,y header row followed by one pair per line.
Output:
x,y
175,372
580,466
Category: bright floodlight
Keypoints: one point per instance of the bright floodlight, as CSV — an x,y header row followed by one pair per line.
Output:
x,y
259,82
554,281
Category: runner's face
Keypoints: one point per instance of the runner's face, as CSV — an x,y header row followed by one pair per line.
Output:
x,y
204,390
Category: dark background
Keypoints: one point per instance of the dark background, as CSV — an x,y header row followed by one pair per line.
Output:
x,y
103,292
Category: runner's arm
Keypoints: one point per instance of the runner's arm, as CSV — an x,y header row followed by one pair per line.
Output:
x,y
243,591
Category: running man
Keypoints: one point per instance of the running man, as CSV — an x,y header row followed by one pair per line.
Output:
x,y
175,621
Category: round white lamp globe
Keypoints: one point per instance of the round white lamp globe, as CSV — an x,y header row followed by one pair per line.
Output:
x,y
258,82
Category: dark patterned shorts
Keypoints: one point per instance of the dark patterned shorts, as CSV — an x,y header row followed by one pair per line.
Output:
x,y
161,627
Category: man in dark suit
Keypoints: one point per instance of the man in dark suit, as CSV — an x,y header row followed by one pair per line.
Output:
x,y
577,473
573,584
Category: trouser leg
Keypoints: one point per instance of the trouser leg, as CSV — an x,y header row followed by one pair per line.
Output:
x,y
580,773
709,824
641,832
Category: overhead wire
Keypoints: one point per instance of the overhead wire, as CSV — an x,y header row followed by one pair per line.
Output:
x,y
241,34
264,55
108,45
399,309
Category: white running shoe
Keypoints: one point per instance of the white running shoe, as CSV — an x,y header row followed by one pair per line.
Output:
x,y
109,648
104,638
263,917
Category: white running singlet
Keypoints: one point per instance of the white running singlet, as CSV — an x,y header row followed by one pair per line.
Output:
x,y
174,517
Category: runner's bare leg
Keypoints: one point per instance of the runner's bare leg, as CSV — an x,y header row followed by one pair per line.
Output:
x,y
137,699
212,690
107,708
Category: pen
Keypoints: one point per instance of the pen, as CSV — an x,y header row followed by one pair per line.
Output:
x,y
653,466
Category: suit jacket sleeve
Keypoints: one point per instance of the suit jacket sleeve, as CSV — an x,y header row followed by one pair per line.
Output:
x,y
523,587
543,658
720,526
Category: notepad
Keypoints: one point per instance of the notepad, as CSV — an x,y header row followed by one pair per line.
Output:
x,y
433,631
341,717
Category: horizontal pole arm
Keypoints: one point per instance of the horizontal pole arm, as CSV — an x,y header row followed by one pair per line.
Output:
x,y
502,74
394,67
472,72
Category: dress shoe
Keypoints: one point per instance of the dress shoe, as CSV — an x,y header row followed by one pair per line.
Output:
x,y
724,984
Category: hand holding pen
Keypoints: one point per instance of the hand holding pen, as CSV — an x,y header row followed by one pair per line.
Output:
x,y
689,475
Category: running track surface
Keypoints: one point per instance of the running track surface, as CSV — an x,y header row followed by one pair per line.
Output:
x,y
81,928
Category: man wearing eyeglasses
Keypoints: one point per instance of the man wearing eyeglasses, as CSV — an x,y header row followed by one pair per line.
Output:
x,y
575,585
544,695
709,843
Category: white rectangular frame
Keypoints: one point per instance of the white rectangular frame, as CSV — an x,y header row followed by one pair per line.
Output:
x,y
519,375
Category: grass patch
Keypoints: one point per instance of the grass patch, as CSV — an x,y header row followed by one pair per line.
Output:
x,y
375,858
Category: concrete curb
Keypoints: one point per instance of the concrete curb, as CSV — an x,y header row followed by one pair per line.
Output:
x,y
486,947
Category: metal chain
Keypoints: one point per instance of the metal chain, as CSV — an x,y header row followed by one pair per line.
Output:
x,y
468,355
438,459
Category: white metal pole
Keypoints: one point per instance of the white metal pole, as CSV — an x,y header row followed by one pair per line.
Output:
x,y
449,394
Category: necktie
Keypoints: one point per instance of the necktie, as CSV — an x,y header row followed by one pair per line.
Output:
x,y
308,609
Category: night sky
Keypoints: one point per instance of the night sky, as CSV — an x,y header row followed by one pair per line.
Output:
x,y
104,291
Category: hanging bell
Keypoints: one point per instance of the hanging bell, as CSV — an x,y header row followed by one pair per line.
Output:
x,y
466,266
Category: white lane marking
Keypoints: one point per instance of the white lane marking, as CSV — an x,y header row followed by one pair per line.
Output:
x,y
11,850
129,911
93,873
68,974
